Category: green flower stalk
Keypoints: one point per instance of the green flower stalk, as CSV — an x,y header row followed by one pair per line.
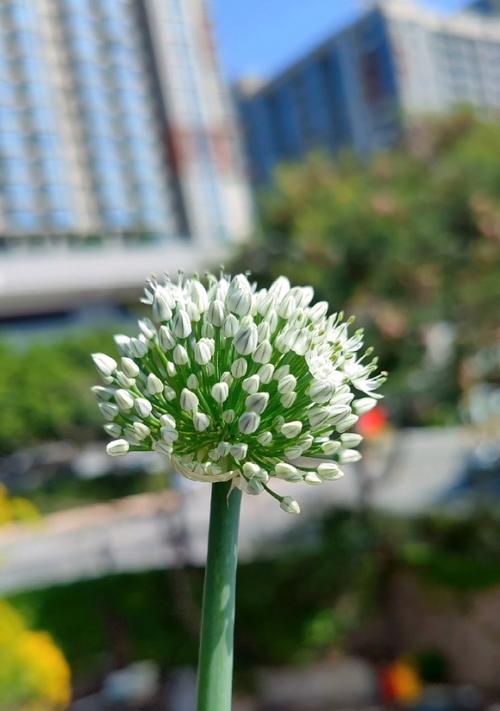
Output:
x,y
239,386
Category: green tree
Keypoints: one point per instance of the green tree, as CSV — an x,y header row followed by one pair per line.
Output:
x,y
405,240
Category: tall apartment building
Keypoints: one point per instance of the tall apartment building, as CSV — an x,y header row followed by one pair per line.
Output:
x,y
357,88
114,118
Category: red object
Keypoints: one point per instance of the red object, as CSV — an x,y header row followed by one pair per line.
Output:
x,y
373,423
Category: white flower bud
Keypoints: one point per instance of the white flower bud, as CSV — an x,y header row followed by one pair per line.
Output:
x,y
321,391
141,430
365,404
210,369
129,367
224,448
254,487
312,478
263,331
124,400
231,326
248,422
181,324
122,343
330,447
239,451
239,368
143,407
207,330
227,378
278,422
318,416
239,296
280,372
202,352
138,348
189,401
265,373
163,448
302,295
192,382
350,439
228,416
279,288
329,470
346,423
283,470
199,295
166,338
349,455
102,394
113,429
289,505
318,311
180,355
193,312
287,384
167,421
306,442
265,302
220,392
117,447
251,385
287,307
154,384
169,435
105,364
171,370
272,320
161,308
291,429
169,393
257,402
265,439
108,410
263,352
293,452
123,380
147,328
250,469
200,422
216,313
246,339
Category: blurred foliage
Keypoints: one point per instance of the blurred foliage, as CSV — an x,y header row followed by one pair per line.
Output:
x,y
405,240
45,390
15,509
66,491
291,608
34,675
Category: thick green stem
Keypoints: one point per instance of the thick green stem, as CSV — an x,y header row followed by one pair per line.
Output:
x,y
215,663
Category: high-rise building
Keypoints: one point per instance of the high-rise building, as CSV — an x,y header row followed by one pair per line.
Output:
x,y
114,119
360,85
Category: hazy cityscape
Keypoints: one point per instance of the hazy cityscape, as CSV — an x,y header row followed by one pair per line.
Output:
x,y
366,166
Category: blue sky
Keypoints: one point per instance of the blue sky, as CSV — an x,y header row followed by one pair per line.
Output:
x,y
262,36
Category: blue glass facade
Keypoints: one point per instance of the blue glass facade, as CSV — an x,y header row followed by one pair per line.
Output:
x,y
35,175
121,154
109,123
317,102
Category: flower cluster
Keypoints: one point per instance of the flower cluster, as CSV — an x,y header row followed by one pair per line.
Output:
x,y
237,383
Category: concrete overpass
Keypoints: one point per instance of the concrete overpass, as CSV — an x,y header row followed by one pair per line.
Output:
x,y
411,472
58,274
